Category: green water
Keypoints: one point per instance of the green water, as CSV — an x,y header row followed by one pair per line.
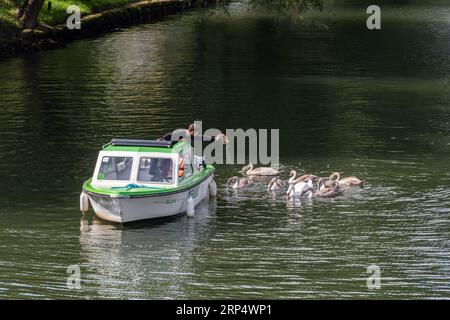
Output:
x,y
370,104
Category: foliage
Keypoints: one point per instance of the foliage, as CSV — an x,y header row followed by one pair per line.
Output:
x,y
8,22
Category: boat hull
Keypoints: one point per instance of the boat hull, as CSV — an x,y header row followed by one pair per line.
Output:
x,y
135,208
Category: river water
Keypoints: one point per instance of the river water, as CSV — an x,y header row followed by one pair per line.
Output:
x,y
373,104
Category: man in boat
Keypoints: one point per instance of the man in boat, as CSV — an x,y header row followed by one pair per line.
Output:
x,y
193,133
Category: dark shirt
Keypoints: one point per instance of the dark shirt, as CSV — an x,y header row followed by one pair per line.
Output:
x,y
168,137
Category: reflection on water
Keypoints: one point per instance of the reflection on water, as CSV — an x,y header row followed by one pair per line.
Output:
x,y
371,105
125,262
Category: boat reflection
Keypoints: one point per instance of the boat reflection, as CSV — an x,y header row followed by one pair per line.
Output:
x,y
125,261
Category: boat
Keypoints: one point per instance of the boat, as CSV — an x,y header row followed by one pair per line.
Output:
x,y
146,179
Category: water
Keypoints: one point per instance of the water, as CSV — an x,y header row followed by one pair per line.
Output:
x,y
370,104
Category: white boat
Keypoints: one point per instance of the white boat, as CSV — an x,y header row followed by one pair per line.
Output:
x,y
145,179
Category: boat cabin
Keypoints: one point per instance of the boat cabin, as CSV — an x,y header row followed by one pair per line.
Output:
x,y
145,163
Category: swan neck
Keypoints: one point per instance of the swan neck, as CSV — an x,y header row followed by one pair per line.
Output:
x,y
294,176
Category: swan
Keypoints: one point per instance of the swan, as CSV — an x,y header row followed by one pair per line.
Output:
x,y
325,190
223,138
330,183
310,189
261,171
347,181
275,184
237,183
300,189
295,178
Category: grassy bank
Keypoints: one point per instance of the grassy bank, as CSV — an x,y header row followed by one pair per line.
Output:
x,y
57,14
98,16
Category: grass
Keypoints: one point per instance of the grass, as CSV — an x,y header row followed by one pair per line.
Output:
x,y
57,14
8,22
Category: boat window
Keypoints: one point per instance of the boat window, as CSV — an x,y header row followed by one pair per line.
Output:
x,y
115,168
155,170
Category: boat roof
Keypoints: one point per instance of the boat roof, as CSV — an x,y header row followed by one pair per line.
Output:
x,y
135,145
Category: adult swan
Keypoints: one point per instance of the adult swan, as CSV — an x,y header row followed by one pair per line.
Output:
x,y
261,171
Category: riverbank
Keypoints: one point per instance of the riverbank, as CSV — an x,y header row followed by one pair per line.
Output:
x,y
53,32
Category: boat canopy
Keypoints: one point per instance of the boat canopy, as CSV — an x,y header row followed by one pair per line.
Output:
x,y
145,162
142,143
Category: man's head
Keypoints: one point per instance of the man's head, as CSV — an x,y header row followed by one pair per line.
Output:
x,y
191,128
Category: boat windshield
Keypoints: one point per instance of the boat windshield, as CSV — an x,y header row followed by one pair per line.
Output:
x,y
159,170
115,168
